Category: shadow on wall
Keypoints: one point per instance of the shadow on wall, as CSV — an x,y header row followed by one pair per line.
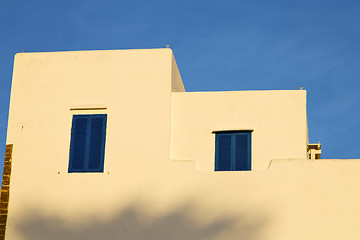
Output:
x,y
131,224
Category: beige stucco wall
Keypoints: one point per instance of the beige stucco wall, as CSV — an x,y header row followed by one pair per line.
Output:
x,y
134,86
277,118
142,194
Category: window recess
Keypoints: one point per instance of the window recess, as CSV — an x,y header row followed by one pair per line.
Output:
x,y
87,144
233,150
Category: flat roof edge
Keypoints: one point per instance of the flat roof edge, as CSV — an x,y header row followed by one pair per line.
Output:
x,y
93,50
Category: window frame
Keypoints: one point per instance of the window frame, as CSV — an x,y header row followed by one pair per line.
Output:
x,y
88,141
233,149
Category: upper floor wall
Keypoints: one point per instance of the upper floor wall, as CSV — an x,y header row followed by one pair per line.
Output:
x,y
277,120
132,87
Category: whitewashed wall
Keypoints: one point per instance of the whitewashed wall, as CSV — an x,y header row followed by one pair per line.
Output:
x,y
142,194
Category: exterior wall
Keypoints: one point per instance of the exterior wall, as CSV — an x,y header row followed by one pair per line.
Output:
x,y
278,119
135,88
142,194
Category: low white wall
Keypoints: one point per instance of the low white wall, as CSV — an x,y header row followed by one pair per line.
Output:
x,y
294,199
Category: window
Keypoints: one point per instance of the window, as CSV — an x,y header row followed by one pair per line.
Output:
x,y
87,145
233,151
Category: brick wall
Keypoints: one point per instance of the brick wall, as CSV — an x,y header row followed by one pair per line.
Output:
x,y
4,198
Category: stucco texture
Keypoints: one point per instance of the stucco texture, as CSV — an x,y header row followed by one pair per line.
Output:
x,y
158,180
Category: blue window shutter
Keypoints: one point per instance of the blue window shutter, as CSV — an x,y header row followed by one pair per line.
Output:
x,y
223,152
233,151
78,143
242,151
97,142
87,144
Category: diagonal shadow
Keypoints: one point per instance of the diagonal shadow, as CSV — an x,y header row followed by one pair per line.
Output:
x,y
130,224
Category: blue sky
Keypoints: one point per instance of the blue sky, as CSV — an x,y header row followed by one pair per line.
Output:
x,y
218,45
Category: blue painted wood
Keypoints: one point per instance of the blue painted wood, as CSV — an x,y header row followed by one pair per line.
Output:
x,y
87,147
77,143
233,151
223,152
242,149
96,143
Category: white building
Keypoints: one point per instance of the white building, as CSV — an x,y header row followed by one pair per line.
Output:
x,y
108,145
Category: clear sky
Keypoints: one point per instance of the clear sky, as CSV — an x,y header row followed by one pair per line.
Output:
x,y
218,46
